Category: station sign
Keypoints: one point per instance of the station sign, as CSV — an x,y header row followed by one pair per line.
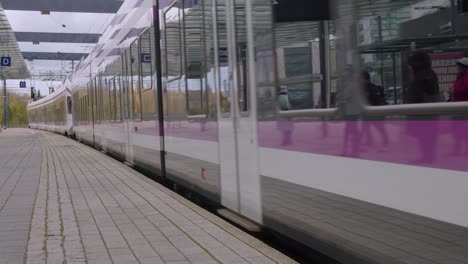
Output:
x,y
146,58
22,84
4,39
6,61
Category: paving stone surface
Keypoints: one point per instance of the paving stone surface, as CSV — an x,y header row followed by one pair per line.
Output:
x,y
64,202
371,232
20,169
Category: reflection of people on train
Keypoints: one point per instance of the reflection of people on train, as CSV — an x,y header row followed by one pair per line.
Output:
x,y
460,87
351,114
285,127
324,122
375,77
460,94
283,99
375,96
424,87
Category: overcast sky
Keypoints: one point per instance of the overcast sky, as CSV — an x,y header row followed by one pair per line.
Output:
x,y
56,22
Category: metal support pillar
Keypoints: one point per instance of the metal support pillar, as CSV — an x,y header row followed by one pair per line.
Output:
x,y
382,55
453,13
5,105
395,92
159,88
324,45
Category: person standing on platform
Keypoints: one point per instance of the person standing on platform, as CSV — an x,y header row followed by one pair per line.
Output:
x,y
460,125
375,96
460,87
424,88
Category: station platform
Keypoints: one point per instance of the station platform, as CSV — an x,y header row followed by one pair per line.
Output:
x,y
64,202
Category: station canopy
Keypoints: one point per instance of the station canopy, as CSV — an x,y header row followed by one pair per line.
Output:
x,y
47,38
10,51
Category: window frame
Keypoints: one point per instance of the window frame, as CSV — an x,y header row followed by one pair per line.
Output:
x,y
204,97
147,31
134,65
329,112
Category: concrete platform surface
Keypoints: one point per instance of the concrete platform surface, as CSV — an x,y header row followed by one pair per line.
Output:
x,y
64,202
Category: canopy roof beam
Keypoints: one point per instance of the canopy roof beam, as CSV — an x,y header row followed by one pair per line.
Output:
x,y
57,37
84,6
53,56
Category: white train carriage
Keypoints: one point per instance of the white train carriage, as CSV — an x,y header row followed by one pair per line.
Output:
x,y
53,113
208,117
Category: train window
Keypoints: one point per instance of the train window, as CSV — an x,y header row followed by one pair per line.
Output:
x,y
210,93
176,105
111,100
88,103
117,98
69,105
146,60
134,75
195,65
102,102
409,51
95,100
76,114
222,57
301,10
241,55
105,97
82,115
304,63
98,98
148,97
112,75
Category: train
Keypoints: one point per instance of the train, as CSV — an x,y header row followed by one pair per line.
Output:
x,y
190,90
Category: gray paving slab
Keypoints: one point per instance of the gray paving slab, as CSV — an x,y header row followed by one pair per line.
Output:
x,y
20,165
64,202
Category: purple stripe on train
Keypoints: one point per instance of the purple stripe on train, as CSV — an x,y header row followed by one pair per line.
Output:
x,y
207,131
437,144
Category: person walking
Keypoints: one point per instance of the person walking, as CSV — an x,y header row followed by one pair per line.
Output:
x,y
424,87
460,94
285,127
460,87
283,99
375,96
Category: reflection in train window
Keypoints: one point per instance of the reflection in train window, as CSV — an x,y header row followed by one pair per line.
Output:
x,y
305,59
173,53
148,94
69,105
111,100
223,54
105,97
241,55
410,49
134,80
195,65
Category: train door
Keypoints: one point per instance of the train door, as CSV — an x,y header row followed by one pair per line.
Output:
x,y
127,106
69,120
240,179
91,110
